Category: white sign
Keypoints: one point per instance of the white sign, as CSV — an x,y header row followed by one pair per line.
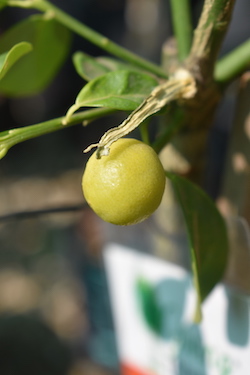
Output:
x,y
153,305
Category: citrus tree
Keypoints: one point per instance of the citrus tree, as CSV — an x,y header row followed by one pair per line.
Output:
x,y
183,92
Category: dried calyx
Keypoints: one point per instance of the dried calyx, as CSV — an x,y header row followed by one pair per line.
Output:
x,y
181,85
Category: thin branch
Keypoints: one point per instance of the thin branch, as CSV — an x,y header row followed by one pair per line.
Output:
x,y
182,25
22,215
233,64
12,137
89,34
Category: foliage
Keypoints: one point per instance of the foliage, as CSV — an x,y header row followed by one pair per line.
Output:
x,y
129,82
43,61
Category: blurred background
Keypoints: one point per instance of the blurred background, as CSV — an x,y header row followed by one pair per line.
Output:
x,y
55,314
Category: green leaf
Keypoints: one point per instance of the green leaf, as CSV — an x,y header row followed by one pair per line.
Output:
x,y
207,234
3,4
149,305
34,72
88,67
114,64
122,90
8,59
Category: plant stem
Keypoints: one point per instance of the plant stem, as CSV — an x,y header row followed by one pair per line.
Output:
x,y
208,36
28,214
12,137
89,34
182,25
233,64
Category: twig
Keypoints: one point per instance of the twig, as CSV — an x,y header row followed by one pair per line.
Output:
x,y
182,25
233,64
22,215
89,34
12,137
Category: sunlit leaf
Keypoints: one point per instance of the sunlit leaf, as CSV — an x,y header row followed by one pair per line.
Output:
x,y
9,58
88,67
207,234
114,64
122,90
34,72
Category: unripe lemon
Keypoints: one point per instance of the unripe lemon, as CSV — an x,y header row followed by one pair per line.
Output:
x,y
126,186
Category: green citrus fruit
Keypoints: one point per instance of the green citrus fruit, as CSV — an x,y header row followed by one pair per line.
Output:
x,y
126,186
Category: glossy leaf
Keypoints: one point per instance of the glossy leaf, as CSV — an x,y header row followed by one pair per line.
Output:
x,y
9,58
122,90
88,67
34,72
114,64
207,234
